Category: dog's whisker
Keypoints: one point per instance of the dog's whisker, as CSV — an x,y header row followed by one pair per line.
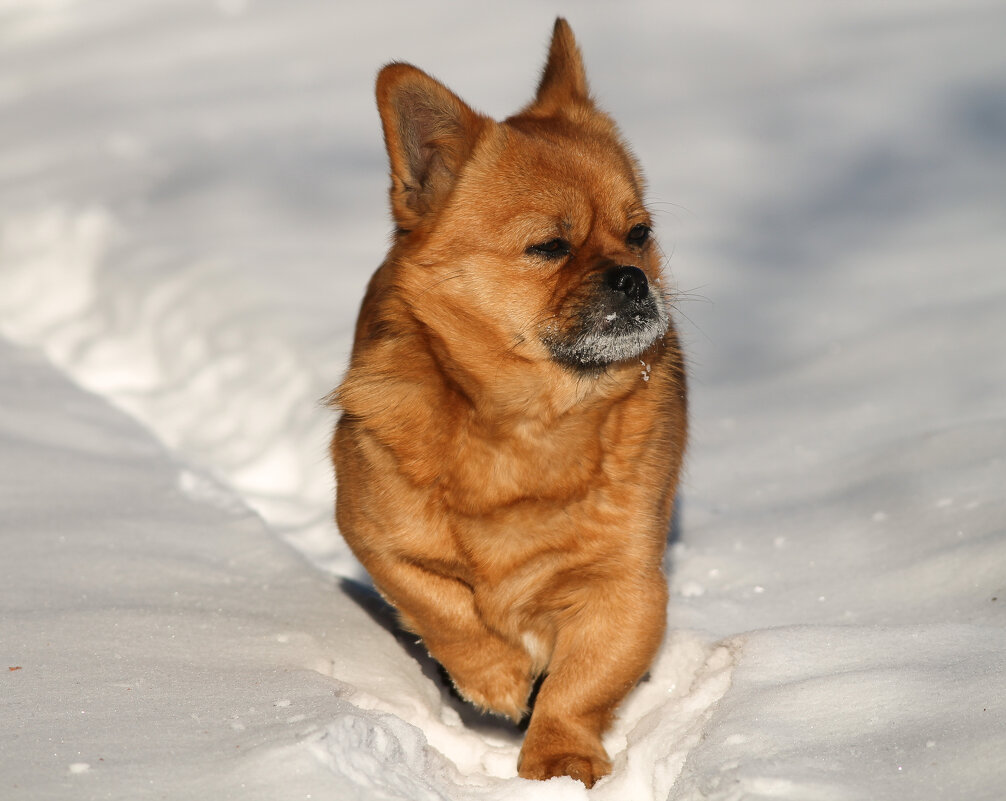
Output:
x,y
445,279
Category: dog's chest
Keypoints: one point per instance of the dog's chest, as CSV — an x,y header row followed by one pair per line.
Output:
x,y
492,469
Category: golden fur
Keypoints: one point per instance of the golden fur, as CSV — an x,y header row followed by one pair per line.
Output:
x,y
514,418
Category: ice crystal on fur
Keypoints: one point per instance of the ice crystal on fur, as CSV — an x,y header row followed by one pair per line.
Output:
x,y
599,339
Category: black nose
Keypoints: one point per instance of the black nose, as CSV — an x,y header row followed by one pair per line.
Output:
x,y
630,281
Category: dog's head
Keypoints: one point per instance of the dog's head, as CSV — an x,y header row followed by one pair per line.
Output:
x,y
529,236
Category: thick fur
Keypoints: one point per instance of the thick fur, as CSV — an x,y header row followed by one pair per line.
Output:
x,y
514,417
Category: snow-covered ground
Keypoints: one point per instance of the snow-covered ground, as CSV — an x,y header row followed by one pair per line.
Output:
x,y
192,196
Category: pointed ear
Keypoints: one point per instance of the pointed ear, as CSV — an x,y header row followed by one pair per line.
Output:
x,y
564,80
429,133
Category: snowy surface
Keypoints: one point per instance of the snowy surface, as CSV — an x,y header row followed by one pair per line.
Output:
x,y
191,200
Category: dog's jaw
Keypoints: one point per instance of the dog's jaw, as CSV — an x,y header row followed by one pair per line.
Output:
x,y
606,331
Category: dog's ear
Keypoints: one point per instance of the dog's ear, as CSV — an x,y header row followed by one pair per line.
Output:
x,y
429,133
564,80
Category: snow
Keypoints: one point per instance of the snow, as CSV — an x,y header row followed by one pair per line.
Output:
x,y
192,197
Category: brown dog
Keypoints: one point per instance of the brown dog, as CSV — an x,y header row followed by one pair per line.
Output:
x,y
513,418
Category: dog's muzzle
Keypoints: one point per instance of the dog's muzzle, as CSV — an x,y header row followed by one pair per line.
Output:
x,y
616,317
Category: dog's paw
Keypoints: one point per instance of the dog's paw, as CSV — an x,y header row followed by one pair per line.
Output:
x,y
586,769
555,747
501,687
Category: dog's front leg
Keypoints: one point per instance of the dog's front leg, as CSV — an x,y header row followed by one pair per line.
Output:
x,y
486,669
604,645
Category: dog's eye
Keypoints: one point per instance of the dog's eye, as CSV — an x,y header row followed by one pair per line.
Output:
x,y
638,234
553,249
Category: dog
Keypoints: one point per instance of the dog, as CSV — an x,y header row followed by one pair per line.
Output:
x,y
513,418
